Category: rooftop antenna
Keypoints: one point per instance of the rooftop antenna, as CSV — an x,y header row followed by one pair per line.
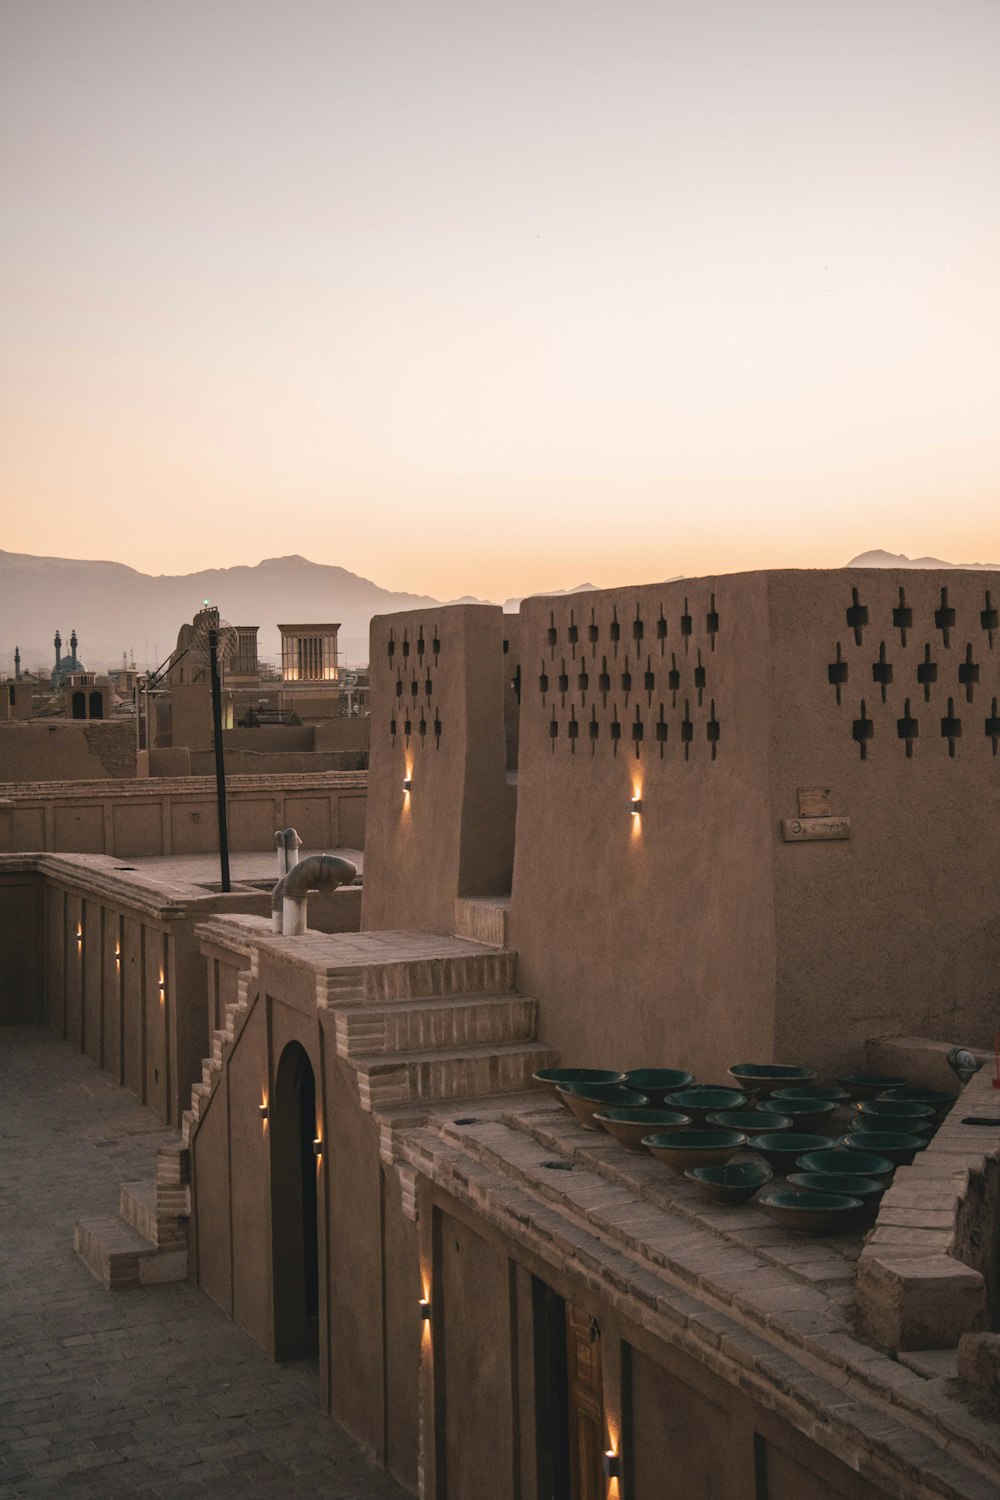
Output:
x,y
215,640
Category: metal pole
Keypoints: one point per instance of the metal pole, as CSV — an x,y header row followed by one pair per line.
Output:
x,y
220,769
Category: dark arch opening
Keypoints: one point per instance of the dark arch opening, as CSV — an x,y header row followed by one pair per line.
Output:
x,y
79,705
294,1220
96,706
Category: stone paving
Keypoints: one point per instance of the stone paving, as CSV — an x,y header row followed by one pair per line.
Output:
x,y
147,1392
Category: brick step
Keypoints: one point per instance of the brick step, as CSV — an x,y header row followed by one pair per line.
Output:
x,y
141,1204
120,1257
487,972
449,1073
483,919
440,1021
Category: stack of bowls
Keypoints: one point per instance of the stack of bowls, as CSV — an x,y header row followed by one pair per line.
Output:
x,y
783,1149
894,1145
868,1189
893,1114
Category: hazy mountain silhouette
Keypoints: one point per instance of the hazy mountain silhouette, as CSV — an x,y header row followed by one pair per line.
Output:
x,y
879,559
114,608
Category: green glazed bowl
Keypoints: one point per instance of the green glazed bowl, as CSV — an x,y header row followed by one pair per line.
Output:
x,y
812,1091
808,1114
734,1182
867,1085
939,1101
629,1126
838,1159
694,1148
808,1212
585,1099
902,1113
893,1145
761,1078
868,1189
551,1078
658,1083
706,1099
750,1121
782,1149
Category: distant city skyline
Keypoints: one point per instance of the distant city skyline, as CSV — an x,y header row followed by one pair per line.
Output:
x,y
493,301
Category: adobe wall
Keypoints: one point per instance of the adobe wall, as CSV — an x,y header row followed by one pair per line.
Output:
x,y
179,816
67,750
898,921
367,1252
648,939
438,720
113,968
698,933
486,1407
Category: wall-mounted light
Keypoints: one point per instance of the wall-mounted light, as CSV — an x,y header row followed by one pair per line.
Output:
x,y
162,987
408,784
425,1309
79,935
263,1113
636,806
611,1464
317,1147
118,953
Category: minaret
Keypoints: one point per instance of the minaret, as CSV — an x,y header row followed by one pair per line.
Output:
x,y
72,651
17,664
58,649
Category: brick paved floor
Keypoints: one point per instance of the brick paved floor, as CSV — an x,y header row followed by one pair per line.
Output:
x,y
144,1392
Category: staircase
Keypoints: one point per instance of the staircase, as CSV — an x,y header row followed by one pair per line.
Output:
x,y
147,1242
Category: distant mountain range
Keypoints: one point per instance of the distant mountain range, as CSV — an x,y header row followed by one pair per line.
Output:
x,y
880,559
116,609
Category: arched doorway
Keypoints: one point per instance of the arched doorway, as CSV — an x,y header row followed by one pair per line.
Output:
x,y
294,1231
96,705
79,705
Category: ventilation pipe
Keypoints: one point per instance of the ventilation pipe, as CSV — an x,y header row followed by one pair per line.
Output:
x,y
964,1063
287,844
290,895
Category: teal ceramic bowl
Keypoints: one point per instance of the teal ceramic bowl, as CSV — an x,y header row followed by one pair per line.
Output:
x,y
552,1078
750,1121
585,1099
658,1083
761,1078
939,1101
734,1182
902,1112
782,1150
809,1114
694,1148
705,1100
812,1091
893,1145
838,1159
923,1128
807,1212
867,1085
868,1189
630,1125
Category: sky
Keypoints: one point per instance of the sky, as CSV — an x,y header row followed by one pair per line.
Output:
x,y
487,299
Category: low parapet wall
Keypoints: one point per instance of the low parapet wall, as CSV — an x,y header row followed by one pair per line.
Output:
x,y
177,815
929,1273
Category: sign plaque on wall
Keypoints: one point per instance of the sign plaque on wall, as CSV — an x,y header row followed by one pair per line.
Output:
x,y
814,802
808,830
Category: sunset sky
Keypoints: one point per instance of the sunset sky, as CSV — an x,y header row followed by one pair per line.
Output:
x,y
489,298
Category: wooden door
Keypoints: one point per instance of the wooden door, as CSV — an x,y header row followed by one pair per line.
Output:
x,y
585,1403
